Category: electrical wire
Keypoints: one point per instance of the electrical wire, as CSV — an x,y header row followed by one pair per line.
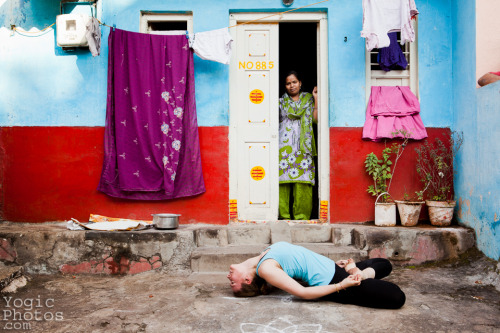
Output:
x,y
252,21
32,32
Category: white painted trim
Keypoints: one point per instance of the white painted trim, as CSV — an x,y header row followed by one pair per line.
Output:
x,y
162,17
323,116
323,88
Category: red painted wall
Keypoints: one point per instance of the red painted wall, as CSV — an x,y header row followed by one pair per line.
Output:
x,y
51,173
349,201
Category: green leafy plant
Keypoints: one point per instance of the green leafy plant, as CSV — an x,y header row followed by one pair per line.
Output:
x,y
380,168
380,171
435,166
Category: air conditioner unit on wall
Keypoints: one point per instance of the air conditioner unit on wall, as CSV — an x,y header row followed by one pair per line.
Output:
x,y
71,29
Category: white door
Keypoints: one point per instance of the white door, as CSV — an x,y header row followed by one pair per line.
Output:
x,y
255,121
254,115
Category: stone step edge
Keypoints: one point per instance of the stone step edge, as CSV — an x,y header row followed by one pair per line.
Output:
x,y
218,259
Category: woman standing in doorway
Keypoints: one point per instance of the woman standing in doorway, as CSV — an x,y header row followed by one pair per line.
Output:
x,y
297,147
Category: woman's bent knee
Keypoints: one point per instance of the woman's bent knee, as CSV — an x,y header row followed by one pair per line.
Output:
x,y
398,300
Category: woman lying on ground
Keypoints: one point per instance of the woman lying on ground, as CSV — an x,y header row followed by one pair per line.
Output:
x,y
346,282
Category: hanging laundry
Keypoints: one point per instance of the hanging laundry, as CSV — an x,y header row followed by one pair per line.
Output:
x,y
212,45
93,35
413,9
392,57
151,146
391,109
383,16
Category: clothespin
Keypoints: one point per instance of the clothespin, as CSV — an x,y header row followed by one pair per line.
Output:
x,y
187,34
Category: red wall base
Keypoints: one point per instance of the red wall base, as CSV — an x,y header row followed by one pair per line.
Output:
x,y
349,201
51,174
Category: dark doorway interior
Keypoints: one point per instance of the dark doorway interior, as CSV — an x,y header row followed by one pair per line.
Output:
x,y
298,52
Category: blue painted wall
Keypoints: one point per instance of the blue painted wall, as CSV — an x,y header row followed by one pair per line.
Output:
x,y
477,180
45,86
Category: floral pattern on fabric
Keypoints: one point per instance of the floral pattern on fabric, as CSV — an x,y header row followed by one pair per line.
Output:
x,y
296,140
151,119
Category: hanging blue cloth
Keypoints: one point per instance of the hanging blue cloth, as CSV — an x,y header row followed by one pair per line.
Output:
x,y
391,57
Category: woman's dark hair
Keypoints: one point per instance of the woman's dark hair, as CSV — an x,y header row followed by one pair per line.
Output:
x,y
257,287
293,73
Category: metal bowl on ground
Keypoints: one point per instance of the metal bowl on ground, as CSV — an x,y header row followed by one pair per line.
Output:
x,y
166,221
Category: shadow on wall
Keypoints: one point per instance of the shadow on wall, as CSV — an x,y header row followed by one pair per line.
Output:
x,y
28,13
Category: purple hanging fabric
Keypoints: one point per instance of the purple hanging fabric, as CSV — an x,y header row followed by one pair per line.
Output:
x,y
391,57
151,145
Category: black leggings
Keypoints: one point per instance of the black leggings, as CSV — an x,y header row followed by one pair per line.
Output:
x,y
373,293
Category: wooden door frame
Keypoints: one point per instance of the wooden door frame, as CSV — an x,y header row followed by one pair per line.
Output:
x,y
323,141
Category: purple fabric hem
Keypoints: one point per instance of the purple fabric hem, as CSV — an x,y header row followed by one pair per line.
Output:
x,y
110,190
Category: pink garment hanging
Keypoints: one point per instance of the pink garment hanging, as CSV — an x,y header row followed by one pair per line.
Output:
x,y
391,109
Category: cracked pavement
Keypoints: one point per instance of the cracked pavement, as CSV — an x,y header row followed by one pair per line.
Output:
x,y
460,296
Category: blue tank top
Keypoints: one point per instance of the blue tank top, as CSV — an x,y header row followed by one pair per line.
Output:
x,y
301,263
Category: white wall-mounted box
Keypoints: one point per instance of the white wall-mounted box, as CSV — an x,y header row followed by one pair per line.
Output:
x,y
71,29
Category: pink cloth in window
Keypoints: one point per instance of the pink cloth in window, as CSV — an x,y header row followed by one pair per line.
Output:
x,y
391,109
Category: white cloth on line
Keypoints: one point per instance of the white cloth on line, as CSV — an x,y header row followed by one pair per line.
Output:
x,y
383,16
212,45
93,36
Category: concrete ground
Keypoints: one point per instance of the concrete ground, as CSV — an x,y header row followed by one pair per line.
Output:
x,y
459,296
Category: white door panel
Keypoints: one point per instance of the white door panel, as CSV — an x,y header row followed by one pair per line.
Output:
x,y
257,121
254,115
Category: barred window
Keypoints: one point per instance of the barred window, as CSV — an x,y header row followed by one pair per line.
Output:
x,y
375,76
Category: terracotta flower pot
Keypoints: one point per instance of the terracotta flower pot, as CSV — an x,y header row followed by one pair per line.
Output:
x,y
409,212
440,212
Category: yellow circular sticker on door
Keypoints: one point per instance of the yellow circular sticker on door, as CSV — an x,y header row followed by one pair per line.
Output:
x,y
256,96
257,173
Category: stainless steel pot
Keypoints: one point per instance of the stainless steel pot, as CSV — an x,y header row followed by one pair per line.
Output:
x,y
166,221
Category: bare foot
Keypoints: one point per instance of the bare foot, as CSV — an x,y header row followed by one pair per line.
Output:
x,y
368,273
342,263
351,268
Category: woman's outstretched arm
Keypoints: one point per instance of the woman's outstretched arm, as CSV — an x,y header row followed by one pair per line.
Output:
x,y
278,278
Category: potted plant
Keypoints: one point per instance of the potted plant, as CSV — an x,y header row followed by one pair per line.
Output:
x,y
435,167
380,171
409,208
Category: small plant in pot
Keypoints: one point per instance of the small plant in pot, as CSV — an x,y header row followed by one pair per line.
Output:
x,y
379,169
435,168
409,208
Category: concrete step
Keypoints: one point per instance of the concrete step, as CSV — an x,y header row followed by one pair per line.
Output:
x,y
217,259
47,248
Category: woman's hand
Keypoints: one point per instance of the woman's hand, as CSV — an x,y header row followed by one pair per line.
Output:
x,y
351,281
315,94
315,111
